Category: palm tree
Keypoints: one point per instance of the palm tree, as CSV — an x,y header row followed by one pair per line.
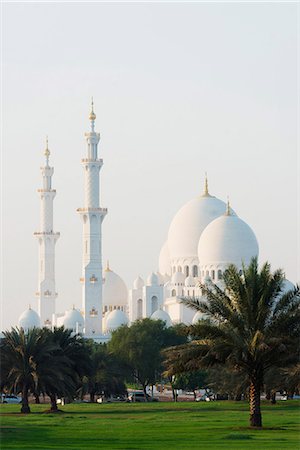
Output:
x,y
24,358
72,363
251,326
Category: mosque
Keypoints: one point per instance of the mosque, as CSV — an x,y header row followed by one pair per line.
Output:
x,y
204,237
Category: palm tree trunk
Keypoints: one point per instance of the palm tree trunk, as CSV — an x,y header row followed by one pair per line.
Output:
x,y
53,403
255,413
273,398
25,405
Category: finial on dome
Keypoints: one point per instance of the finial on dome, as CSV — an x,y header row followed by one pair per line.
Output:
x,y
92,115
228,208
206,193
47,152
107,267
29,306
73,307
206,185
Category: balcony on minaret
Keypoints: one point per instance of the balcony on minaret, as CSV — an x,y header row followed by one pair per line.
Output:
x,y
100,210
97,161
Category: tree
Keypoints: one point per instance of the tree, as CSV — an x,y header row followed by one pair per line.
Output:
x,y
106,375
73,362
191,381
138,348
24,358
251,326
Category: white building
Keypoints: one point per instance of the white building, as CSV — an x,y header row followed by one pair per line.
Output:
x,y
204,237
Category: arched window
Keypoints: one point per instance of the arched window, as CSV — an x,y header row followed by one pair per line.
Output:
x,y
186,271
139,308
174,269
220,276
241,272
207,272
213,274
154,304
188,293
173,293
195,271
179,269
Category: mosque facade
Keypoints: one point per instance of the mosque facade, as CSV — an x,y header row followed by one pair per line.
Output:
x,y
204,237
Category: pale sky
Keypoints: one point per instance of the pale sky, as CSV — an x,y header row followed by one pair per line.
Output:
x,y
179,89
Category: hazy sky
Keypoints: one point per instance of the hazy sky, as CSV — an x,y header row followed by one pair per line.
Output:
x,y
179,89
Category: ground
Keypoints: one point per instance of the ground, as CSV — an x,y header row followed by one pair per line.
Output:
x,y
185,425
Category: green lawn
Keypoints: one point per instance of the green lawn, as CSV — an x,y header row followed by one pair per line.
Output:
x,y
216,425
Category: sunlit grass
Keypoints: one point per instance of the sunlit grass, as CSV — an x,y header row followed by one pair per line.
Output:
x,y
216,425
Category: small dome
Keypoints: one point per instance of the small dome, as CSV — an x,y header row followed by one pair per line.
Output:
x,y
29,319
227,240
115,319
138,283
159,314
199,316
164,263
152,280
73,319
190,281
114,289
189,223
177,278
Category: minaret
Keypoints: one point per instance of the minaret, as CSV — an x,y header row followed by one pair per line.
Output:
x,y
47,239
92,217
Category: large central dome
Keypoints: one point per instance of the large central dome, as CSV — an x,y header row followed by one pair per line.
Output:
x,y
190,221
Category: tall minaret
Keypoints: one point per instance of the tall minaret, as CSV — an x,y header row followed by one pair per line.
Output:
x,y
92,217
47,239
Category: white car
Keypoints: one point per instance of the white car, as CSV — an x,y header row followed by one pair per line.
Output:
x,y
10,398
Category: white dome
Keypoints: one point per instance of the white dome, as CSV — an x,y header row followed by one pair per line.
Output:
x,y
164,263
114,289
159,314
190,281
189,222
72,318
227,240
177,278
138,283
198,316
115,319
29,319
152,280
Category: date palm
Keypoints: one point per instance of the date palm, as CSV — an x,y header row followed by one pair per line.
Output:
x,y
24,358
251,326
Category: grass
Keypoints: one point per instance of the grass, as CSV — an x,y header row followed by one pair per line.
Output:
x,y
216,425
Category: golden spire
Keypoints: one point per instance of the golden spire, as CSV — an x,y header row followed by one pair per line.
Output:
x,y
206,193
228,208
92,115
107,269
206,185
47,151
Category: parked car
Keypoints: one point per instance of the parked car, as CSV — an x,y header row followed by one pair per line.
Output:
x,y
139,396
112,399
10,398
